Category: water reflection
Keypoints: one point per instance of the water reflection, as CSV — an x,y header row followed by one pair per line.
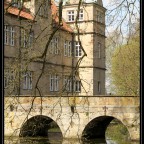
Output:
x,y
42,140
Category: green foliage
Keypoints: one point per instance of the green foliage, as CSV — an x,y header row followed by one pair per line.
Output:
x,y
118,133
126,68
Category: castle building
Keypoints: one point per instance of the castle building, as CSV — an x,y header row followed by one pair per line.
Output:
x,y
91,24
43,54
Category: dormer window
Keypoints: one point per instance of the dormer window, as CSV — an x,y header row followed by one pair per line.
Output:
x,y
71,16
17,3
81,15
43,9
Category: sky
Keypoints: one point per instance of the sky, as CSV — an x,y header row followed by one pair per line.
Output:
x,y
118,15
105,2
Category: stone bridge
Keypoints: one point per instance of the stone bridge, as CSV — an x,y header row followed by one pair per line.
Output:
x,y
73,114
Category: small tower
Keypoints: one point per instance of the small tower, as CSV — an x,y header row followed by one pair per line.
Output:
x,y
91,25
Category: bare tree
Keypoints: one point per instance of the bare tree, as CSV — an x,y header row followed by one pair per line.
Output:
x,y
39,50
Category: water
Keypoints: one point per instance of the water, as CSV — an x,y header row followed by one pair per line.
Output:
x,y
55,139
115,134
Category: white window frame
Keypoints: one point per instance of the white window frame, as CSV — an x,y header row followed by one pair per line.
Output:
x,y
24,40
81,15
6,34
77,86
69,49
68,84
27,80
54,82
9,35
65,83
8,78
12,36
65,48
56,45
71,15
78,50
51,83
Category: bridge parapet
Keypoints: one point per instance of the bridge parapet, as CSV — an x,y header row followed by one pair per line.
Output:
x,y
100,100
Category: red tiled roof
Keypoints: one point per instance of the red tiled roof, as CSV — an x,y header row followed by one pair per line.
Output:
x,y
15,11
24,14
55,17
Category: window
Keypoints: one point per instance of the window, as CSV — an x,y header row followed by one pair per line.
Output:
x,y
27,83
9,35
54,46
8,78
77,86
12,36
23,38
15,3
99,51
71,16
54,82
69,82
26,38
81,15
6,34
99,17
43,9
31,38
78,50
67,48
40,13
99,86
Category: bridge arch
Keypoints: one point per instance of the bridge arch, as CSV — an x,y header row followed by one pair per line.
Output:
x,y
38,126
96,128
